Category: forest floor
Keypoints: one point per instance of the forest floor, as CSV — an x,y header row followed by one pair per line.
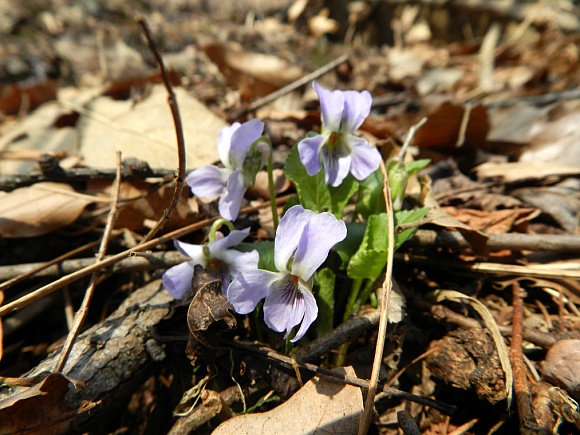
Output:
x,y
484,332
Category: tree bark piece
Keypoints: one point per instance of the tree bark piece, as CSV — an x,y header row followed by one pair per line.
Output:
x,y
112,357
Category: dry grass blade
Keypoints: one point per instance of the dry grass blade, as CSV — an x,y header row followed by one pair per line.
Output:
x,y
83,310
489,321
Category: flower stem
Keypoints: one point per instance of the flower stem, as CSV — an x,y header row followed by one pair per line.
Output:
x,y
217,225
272,189
363,296
352,298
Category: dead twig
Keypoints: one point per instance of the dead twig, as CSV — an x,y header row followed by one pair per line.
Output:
x,y
83,310
14,274
439,312
75,276
384,318
357,382
181,160
289,88
497,242
131,170
528,424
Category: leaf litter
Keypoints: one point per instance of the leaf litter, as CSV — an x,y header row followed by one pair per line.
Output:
x,y
502,141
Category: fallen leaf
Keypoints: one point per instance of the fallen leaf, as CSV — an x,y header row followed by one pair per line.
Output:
x,y
556,139
475,238
41,408
496,222
444,126
524,171
145,131
321,406
208,308
40,209
209,304
254,74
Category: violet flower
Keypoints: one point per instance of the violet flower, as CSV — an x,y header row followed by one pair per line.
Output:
x,y
241,163
214,257
343,112
302,243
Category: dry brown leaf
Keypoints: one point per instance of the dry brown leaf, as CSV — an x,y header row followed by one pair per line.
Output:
x,y
40,209
321,406
496,222
149,207
254,74
556,139
475,238
444,126
524,171
145,130
37,132
41,408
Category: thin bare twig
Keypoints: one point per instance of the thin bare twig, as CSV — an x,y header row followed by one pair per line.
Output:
x,y
497,242
181,161
384,318
290,87
81,314
357,382
42,266
522,392
75,276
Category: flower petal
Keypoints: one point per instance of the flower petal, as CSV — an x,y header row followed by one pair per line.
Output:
x,y
288,234
224,143
207,181
195,252
231,202
249,288
336,167
366,159
331,106
309,150
234,238
242,140
322,232
310,314
287,305
284,306
240,262
357,106
177,280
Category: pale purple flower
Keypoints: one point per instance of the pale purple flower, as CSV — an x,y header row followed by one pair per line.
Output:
x,y
240,162
216,257
343,112
302,243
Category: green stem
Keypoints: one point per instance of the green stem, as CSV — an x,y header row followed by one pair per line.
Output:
x,y
340,356
217,225
352,297
271,188
363,296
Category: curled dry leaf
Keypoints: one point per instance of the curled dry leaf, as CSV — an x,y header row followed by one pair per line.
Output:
x,y
208,307
321,406
39,209
42,408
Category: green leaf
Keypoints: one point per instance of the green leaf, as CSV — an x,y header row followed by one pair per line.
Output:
x,y
371,199
314,194
406,216
266,251
354,235
370,259
325,299
415,166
